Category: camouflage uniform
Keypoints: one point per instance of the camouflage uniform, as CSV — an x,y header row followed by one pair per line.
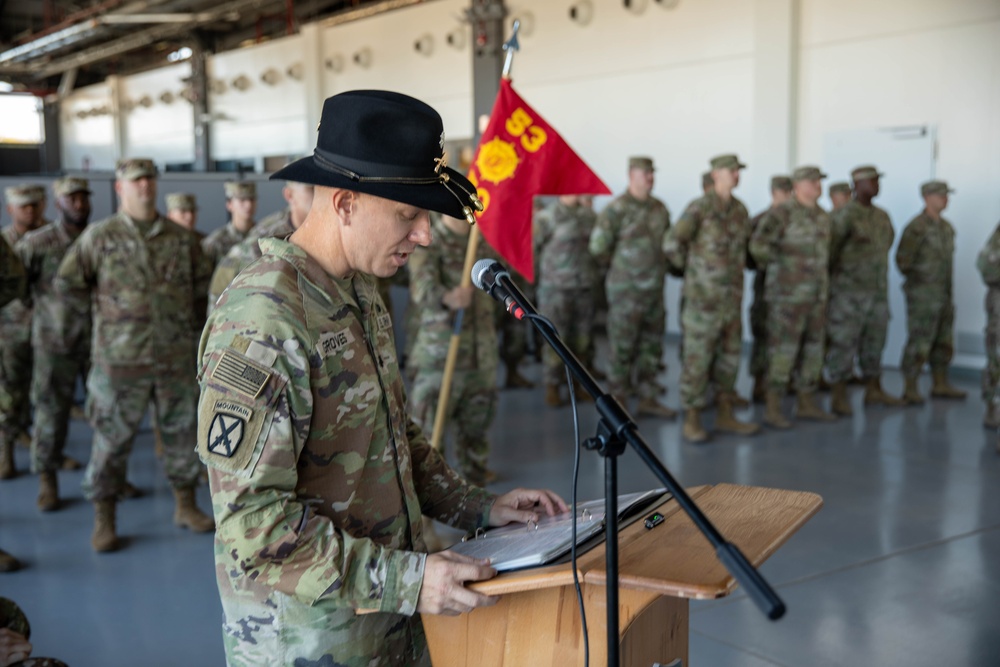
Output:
x,y
60,336
218,243
12,618
318,478
15,359
792,243
924,256
565,282
11,274
147,279
435,270
758,308
629,234
858,308
240,256
715,234
988,264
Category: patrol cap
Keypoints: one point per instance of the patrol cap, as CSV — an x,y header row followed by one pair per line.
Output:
x,y
807,173
181,201
706,180
781,183
388,145
132,169
935,188
641,162
840,186
240,190
864,173
728,161
69,184
24,194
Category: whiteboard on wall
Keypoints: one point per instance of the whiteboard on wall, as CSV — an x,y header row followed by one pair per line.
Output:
x,y
906,155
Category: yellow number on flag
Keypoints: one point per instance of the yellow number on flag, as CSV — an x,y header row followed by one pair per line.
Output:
x,y
518,122
534,139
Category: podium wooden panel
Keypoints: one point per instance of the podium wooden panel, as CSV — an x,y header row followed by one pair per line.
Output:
x,y
537,620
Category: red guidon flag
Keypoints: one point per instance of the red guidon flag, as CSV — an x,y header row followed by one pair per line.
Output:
x,y
520,156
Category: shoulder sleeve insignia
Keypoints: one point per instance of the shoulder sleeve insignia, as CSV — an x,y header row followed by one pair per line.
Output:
x,y
240,375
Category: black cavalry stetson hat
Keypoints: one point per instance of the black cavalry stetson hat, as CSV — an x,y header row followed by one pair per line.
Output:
x,y
389,145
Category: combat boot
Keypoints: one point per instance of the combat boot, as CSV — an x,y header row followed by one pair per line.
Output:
x,y
69,463
942,388
552,397
8,563
104,538
693,431
759,388
188,515
772,412
874,395
48,492
839,403
992,417
911,393
515,380
649,407
7,470
808,409
726,421
738,401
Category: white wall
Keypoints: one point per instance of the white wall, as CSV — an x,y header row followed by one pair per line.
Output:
x,y
88,142
164,130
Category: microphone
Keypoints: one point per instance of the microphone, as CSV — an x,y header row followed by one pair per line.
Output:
x,y
487,275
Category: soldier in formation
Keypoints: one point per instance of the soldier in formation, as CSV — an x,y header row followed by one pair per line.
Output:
x,y
566,285
627,238
436,273
840,194
781,191
925,257
988,263
858,310
712,236
60,333
26,207
11,287
241,203
147,277
792,243
182,208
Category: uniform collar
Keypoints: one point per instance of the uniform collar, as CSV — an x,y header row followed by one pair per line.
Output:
x,y
339,289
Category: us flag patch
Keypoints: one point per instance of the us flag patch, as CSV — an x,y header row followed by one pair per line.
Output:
x,y
240,375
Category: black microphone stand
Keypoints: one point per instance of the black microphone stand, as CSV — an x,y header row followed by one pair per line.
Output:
x,y
616,428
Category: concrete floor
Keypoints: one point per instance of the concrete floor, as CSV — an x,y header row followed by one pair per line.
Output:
x,y
900,567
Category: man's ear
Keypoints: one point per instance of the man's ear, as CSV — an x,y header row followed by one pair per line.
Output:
x,y
345,203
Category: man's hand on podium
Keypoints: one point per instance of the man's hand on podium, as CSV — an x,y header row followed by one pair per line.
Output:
x,y
444,591
523,505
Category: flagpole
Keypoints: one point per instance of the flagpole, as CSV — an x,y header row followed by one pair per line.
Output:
x,y
471,250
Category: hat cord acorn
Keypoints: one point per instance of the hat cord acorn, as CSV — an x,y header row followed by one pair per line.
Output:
x,y
440,177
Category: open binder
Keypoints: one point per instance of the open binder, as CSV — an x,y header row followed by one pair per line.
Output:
x,y
518,546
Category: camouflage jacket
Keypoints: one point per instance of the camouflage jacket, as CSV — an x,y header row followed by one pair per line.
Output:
x,y
988,261
219,242
925,255
228,266
792,242
146,280
61,322
433,271
11,274
629,234
860,239
15,317
318,477
562,239
715,236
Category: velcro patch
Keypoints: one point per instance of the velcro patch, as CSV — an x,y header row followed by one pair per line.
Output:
x,y
384,322
332,342
228,432
240,375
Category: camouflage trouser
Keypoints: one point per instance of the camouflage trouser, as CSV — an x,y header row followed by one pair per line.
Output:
x,y
471,408
796,334
991,377
52,387
856,325
930,324
712,343
636,323
15,386
572,313
758,327
115,407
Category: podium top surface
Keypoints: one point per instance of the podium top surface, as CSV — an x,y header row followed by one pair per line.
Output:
x,y
674,558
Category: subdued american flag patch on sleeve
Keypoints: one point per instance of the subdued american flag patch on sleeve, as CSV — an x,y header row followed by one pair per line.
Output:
x,y
237,373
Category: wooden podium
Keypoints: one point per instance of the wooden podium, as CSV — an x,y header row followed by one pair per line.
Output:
x,y
537,621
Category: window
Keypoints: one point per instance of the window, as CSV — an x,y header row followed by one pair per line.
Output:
x,y
22,119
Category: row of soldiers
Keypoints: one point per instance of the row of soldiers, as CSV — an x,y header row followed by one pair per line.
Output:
x,y
820,293
121,303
